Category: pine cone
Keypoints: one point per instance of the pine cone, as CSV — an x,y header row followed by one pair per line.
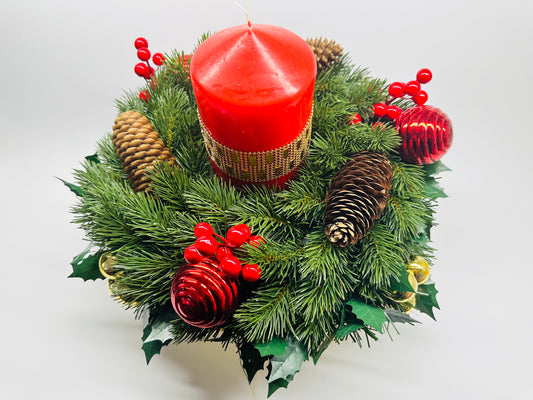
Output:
x,y
356,197
138,146
327,52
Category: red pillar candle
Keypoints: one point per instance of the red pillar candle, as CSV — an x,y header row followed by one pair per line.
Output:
x,y
254,88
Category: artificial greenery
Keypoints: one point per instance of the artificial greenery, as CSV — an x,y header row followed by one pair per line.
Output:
x,y
310,293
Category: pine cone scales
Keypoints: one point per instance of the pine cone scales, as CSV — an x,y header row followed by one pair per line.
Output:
x,y
356,197
327,52
138,146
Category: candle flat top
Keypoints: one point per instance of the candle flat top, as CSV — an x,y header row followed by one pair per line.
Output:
x,y
260,64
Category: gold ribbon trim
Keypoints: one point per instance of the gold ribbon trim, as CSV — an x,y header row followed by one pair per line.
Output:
x,y
260,166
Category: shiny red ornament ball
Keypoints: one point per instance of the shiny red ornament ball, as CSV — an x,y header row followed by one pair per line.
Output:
x,y
203,296
426,134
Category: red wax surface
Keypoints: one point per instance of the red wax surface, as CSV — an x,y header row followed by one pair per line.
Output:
x,y
254,86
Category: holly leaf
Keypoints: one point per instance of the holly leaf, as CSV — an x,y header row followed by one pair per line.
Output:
x,y
278,383
398,316
283,367
426,299
402,284
78,191
432,189
276,347
435,168
347,329
252,361
85,265
157,333
93,158
370,315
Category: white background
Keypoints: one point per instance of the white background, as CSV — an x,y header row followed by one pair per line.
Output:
x,y
62,65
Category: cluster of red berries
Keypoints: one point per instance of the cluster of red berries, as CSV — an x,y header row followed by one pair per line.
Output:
x,y
206,246
398,90
144,69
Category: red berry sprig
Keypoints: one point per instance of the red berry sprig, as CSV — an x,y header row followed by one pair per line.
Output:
x,y
398,90
144,69
206,246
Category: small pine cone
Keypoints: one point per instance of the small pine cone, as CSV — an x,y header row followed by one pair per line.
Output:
x,y
327,52
138,146
356,197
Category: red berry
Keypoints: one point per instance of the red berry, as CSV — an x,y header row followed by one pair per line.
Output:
x,y
223,252
424,75
238,235
412,88
380,109
396,89
203,229
158,58
142,69
420,98
256,240
251,272
231,266
355,119
144,96
394,112
151,72
192,256
206,246
141,42
143,54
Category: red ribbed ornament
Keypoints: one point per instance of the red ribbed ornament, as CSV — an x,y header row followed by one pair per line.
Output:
x,y
426,134
203,296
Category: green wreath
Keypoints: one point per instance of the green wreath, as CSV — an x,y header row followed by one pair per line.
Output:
x,y
310,293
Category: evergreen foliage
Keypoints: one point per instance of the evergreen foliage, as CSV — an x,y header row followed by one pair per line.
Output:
x,y
306,282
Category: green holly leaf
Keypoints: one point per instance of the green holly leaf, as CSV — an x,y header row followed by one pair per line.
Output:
x,y
275,347
399,316
435,168
85,265
78,191
157,333
93,158
370,315
283,367
426,299
347,329
432,189
278,383
252,361
402,283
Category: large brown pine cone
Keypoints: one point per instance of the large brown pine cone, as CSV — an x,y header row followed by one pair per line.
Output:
x,y
356,197
327,52
138,146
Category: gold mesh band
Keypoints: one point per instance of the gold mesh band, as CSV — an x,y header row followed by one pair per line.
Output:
x,y
259,166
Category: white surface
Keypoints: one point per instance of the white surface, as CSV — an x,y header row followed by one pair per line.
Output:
x,y
64,63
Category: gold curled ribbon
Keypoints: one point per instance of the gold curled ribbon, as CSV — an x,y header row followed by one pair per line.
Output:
x,y
261,166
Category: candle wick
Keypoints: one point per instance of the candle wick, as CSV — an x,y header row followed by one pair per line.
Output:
x,y
245,13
